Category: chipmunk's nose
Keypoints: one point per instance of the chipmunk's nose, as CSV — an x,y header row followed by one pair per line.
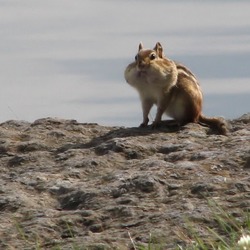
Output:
x,y
141,64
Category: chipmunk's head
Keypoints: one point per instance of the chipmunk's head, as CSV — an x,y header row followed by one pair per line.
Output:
x,y
145,57
152,68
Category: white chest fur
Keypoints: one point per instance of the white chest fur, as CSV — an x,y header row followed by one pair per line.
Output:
x,y
151,85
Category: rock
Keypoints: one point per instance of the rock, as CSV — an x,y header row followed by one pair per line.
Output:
x,y
30,146
85,186
16,161
77,200
247,162
202,189
244,118
143,183
96,228
169,148
9,204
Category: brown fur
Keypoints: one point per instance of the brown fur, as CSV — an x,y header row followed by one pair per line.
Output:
x,y
172,87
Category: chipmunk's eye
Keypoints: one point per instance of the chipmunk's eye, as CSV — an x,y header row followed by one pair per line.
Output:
x,y
136,57
152,56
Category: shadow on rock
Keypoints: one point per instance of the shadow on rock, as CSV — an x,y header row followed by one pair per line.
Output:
x,y
165,127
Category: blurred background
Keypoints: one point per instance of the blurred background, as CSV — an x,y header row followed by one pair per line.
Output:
x,y
66,59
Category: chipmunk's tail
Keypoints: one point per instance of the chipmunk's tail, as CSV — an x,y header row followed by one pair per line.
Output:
x,y
214,122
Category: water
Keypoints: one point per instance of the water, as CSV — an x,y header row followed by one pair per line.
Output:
x,y
66,59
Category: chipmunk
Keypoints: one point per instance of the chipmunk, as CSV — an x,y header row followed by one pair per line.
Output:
x,y
172,87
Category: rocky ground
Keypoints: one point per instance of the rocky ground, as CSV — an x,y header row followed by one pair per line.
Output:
x,y
67,185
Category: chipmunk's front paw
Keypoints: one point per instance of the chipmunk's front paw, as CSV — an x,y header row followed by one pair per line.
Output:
x,y
143,125
155,125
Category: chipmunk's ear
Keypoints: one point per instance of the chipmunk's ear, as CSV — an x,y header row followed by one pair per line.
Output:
x,y
159,50
140,46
